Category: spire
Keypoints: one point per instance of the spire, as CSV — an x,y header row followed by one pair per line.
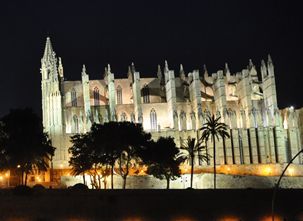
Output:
x,y
60,68
270,66
83,70
166,66
263,69
182,73
108,68
48,50
159,72
226,68
250,64
205,70
133,69
269,60
181,68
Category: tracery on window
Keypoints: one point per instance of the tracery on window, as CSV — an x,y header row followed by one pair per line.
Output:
x,y
119,95
74,97
145,94
153,120
96,96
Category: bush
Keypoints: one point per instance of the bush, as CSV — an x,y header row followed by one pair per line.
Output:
x,y
38,187
22,190
79,186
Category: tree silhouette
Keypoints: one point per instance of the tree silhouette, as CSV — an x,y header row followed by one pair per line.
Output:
x,y
80,151
132,139
26,147
193,148
105,146
162,159
213,129
3,151
118,142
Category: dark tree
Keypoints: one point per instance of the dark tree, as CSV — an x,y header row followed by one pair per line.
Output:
x,y
119,142
88,156
105,145
193,149
162,159
214,129
81,159
26,147
132,139
3,151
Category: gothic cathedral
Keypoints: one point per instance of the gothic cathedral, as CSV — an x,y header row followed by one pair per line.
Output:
x,y
174,104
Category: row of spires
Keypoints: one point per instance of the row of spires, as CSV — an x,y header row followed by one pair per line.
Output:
x,y
49,54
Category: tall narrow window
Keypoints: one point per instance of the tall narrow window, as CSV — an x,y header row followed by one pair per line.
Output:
x,y
75,124
119,95
182,120
145,93
74,97
123,117
96,96
153,120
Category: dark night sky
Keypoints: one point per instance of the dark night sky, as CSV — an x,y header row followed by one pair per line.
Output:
x,y
147,32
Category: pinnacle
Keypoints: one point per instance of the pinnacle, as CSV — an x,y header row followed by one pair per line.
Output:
x,y
226,68
166,66
48,50
83,70
269,60
181,68
204,68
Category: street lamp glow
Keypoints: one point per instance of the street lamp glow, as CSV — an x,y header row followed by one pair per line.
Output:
x,y
18,166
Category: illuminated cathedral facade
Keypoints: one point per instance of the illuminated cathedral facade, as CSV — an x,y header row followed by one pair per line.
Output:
x,y
174,104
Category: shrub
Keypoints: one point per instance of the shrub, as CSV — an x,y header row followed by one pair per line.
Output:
x,y
38,187
22,190
79,186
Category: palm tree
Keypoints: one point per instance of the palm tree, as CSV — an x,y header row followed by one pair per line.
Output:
x,y
214,129
81,159
193,148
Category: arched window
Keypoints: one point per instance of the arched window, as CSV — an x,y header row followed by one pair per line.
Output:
x,y
96,96
75,124
74,97
145,93
153,120
123,117
119,95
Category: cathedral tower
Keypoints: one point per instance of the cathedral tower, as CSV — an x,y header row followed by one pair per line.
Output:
x,y
52,99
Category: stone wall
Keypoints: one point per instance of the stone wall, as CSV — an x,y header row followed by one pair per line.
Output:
x,y
201,181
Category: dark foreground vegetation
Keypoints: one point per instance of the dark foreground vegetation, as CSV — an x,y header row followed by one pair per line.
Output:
x,y
149,205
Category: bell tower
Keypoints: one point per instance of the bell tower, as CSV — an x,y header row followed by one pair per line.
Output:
x,y
52,102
